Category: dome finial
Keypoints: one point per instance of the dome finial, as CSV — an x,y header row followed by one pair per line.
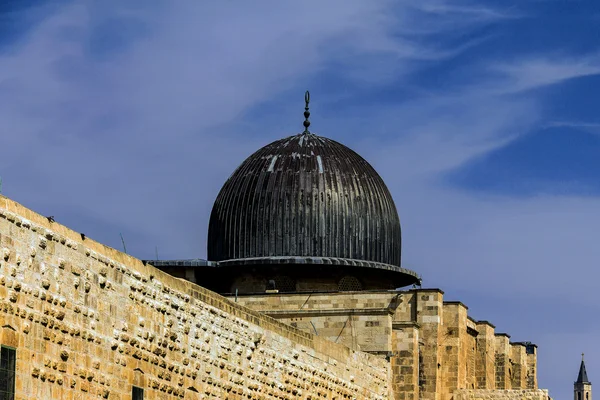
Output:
x,y
306,112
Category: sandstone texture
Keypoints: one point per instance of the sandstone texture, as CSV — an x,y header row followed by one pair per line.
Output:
x,y
89,322
434,347
487,394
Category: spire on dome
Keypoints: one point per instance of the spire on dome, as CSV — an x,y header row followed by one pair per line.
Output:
x,y
306,112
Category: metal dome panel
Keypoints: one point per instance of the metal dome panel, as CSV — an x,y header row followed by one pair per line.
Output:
x,y
305,196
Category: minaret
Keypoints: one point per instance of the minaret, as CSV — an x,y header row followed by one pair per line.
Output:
x,y
582,387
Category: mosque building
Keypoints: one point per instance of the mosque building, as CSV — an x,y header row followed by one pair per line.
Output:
x,y
306,231
303,296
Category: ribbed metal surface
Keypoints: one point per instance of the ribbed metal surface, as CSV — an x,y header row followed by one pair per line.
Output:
x,y
305,196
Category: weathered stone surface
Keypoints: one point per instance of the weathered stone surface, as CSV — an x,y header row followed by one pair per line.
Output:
x,y
79,337
433,346
90,322
491,394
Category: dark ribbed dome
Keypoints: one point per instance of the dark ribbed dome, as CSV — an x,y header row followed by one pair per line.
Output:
x,y
305,199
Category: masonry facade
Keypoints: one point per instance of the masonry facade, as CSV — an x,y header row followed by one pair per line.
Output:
x,y
87,321
433,346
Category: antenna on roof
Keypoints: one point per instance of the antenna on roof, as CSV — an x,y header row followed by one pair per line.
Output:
x,y
123,241
156,251
306,112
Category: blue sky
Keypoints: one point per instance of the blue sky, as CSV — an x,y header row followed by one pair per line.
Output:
x,y
127,117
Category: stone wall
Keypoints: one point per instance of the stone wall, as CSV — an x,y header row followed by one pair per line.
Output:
x,y
531,350
518,361
433,345
485,372
502,361
361,321
405,361
89,321
490,394
453,347
429,305
470,348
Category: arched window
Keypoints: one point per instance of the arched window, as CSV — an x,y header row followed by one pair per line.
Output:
x,y
578,395
587,396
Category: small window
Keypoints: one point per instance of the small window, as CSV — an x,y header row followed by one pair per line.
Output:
x,y
578,395
8,363
284,283
349,284
137,393
587,396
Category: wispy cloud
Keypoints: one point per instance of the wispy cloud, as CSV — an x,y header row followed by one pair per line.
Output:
x,y
129,117
529,74
108,110
593,126
475,13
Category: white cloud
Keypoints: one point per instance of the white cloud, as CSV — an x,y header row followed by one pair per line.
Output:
x,y
138,120
593,127
533,73
437,135
140,136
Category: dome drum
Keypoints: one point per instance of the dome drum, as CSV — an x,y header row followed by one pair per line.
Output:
x,y
299,278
